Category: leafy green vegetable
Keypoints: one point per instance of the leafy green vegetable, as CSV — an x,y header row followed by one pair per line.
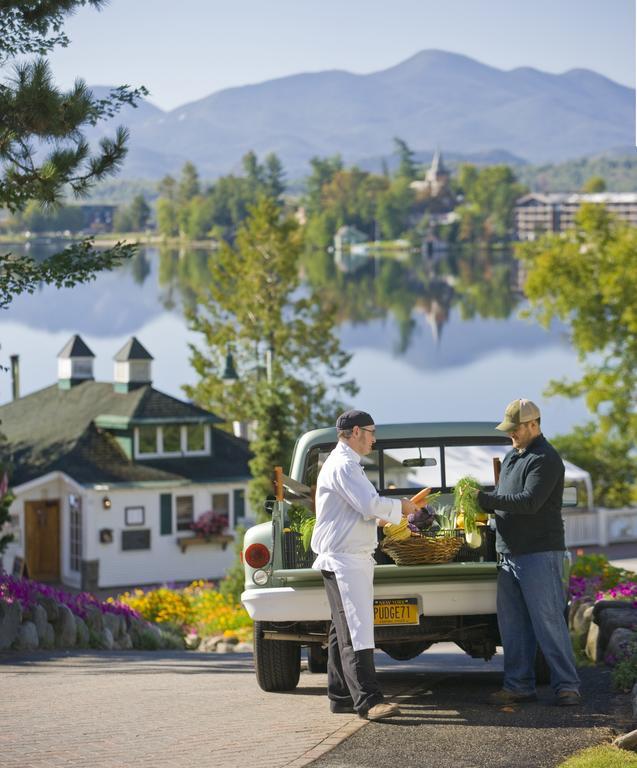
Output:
x,y
302,521
446,517
466,502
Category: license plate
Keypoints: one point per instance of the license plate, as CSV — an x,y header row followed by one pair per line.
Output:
x,y
401,611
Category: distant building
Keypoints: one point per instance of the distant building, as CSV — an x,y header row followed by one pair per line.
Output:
x,y
346,236
538,213
436,179
98,218
109,476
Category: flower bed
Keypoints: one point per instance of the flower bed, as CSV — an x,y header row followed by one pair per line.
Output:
x,y
603,619
27,593
37,616
197,608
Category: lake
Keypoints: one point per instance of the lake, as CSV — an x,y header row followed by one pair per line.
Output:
x,y
433,338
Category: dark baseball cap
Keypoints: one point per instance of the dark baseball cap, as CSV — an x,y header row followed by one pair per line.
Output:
x,y
353,418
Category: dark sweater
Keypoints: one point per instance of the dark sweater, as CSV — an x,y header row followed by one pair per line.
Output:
x,y
528,500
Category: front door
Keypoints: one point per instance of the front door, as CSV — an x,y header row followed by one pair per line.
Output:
x,y
42,528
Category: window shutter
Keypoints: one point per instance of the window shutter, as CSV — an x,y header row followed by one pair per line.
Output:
x,y
166,513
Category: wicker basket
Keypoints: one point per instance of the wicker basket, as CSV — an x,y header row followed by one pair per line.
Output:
x,y
421,549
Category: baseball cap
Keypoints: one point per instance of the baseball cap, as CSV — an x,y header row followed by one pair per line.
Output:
x,y
353,418
518,412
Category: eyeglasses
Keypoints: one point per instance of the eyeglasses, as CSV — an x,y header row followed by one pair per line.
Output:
x,y
371,431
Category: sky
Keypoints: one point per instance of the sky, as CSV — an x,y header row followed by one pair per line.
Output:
x,y
187,50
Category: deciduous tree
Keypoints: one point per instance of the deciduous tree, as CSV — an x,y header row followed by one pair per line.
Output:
x,y
588,279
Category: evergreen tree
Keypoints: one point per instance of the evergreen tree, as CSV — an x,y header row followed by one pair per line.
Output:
x,y
274,176
407,168
252,307
167,188
188,184
36,115
139,213
253,170
323,171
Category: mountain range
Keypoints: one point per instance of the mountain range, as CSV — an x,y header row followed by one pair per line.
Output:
x,y
433,99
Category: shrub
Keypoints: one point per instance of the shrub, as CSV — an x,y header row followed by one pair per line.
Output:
x,y
197,607
592,575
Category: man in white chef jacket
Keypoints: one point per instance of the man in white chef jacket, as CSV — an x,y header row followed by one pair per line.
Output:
x,y
348,510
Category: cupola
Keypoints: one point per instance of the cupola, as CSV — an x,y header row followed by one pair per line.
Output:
x,y
75,363
132,366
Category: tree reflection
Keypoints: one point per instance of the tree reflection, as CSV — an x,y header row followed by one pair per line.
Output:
x,y
400,285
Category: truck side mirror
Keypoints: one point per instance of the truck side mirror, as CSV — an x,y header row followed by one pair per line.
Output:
x,y
268,505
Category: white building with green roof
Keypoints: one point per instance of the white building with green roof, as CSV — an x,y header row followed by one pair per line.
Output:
x,y
109,477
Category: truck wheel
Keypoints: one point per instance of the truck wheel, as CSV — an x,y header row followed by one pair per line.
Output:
x,y
277,662
316,659
405,651
542,671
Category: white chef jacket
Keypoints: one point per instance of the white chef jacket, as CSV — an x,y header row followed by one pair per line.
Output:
x,y
347,510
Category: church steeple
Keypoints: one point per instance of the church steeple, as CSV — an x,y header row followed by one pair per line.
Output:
x,y
437,176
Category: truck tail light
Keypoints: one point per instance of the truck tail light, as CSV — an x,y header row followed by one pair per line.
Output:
x,y
257,555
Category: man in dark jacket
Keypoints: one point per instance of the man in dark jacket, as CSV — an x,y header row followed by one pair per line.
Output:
x,y
527,502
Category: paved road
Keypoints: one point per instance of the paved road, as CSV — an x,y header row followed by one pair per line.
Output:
x,y
178,709
159,709
445,723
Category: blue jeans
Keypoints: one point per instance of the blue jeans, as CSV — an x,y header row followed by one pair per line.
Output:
x,y
531,603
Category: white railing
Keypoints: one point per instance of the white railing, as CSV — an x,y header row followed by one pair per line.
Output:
x,y
600,526
617,525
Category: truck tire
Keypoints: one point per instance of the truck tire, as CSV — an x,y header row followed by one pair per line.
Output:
x,y
316,659
277,662
405,651
542,671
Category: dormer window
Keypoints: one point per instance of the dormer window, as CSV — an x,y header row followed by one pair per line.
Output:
x,y
147,440
195,437
170,440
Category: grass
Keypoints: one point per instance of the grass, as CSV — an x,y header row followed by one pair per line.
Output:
x,y
602,756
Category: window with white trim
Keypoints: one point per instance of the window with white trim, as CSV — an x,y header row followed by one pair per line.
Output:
x,y
221,504
185,506
147,440
172,440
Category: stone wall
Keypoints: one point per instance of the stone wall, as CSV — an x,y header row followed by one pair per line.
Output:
x,y
50,624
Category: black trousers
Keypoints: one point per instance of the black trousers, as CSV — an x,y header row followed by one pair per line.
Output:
x,y
351,675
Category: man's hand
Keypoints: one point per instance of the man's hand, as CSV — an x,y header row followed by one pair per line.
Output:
x,y
407,507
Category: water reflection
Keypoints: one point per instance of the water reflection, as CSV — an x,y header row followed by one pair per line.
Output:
x,y
410,319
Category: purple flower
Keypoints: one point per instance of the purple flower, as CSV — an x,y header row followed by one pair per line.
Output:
x,y
26,592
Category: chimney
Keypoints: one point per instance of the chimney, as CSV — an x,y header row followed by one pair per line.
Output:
x,y
15,377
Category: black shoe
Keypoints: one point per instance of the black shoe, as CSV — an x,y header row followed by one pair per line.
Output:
x,y
336,708
568,699
510,697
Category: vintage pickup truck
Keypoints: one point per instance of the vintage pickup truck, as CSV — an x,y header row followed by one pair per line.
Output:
x,y
415,605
